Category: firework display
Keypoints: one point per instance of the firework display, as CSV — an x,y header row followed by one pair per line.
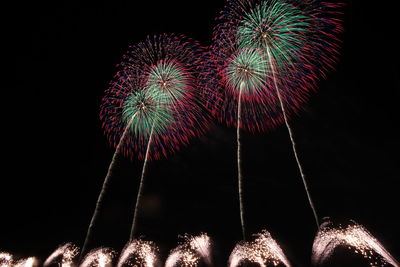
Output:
x,y
256,42
156,89
101,257
139,253
353,236
264,251
64,256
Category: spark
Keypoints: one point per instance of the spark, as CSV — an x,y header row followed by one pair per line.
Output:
x,y
64,254
139,253
355,237
264,250
101,257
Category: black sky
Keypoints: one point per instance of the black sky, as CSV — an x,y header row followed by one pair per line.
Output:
x,y
56,156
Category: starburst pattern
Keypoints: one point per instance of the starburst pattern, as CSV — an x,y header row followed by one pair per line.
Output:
x,y
158,88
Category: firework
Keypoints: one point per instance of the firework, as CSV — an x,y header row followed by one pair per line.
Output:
x,y
153,105
101,257
29,262
139,253
355,237
63,255
6,259
269,55
264,250
191,252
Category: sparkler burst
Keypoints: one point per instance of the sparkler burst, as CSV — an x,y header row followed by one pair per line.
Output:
x,y
264,251
191,252
101,257
356,238
63,255
157,87
139,253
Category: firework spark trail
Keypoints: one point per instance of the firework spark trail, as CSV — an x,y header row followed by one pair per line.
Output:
x,y
6,259
353,236
105,186
64,254
29,262
139,194
191,252
139,253
202,244
264,250
239,167
101,257
303,177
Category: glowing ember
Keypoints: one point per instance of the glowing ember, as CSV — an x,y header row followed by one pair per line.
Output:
x,y
353,236
101,257
139,253
264,250
64,255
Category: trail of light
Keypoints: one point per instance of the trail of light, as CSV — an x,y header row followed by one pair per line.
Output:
x,y
139,253
64,255
190,252
239,166
29,262
303,177
355,237
101,257
264,250
6,259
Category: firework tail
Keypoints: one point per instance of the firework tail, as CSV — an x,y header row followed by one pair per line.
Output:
x,y
139,194
303,177
240,177
104,188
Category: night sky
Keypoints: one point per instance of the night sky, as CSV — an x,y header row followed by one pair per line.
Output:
x,y
55,155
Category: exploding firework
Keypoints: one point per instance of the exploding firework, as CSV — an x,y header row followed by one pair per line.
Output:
x,y
29,262
139,253
302,39
6,259
101,257
353,236
269,55
158,85
154,106
63,255
191,252
264,251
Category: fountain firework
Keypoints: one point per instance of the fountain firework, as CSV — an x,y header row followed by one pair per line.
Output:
x,y
191,252
6,259
264,250
29,262
356,238
63,255
101,257
139,253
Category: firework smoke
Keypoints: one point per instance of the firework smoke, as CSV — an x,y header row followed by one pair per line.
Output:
x,y
264,250
63,255
139,253
191,252
356,238
101,257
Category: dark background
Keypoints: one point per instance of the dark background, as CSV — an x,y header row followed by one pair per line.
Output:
x,y
56,156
